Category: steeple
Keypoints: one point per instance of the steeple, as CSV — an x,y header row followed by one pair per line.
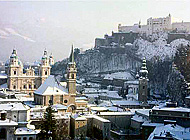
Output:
x,y
71,77
71,58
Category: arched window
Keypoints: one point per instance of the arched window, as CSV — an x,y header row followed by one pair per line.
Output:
x,y
24,86
72,76
30,86
25,138
14,72
46,72
14,87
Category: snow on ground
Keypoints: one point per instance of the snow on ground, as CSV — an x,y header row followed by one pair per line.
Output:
x,y
159,48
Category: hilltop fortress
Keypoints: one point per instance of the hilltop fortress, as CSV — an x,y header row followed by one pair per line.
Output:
x,y
155,25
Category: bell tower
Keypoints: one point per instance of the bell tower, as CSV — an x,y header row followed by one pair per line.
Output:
x,y
14,70
71,77
143,83
45,67
51,60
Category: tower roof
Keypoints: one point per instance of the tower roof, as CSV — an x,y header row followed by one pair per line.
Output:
x,y
14,54
45,54
71,58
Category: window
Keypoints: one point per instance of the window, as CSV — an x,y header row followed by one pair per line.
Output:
x,y
72,76
65,101
19,138
3,133
25,138
24,86
61,98
31,138
14,72
46,73
14,87
34,86
143,87
30,86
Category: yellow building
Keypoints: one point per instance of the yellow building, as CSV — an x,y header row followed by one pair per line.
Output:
x,y
78,126
26,80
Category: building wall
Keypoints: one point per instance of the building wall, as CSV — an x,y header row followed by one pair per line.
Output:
x,y
118,120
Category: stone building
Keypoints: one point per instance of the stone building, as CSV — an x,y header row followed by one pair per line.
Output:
x,y
78,126
27,80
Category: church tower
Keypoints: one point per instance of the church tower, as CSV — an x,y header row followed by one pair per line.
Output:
x,y
71,77
45,67
143,83
15,69
51,60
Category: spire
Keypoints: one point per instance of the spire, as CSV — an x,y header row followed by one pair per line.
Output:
x,y
71,58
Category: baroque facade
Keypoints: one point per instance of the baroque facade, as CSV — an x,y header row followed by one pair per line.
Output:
x,y
27,80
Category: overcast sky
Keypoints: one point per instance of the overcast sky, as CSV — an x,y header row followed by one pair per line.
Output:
x,y
90,19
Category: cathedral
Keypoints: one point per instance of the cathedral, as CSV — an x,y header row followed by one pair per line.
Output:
x,y
29,79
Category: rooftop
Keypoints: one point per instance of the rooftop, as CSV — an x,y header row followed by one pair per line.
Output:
x,y
25,131
12,106
51,86
116,113
8,122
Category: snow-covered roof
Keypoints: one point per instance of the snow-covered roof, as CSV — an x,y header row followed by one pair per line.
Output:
x,y
176,109
77,117
134,82
25,131
138,118
12,106
99,108
175,131
116,113
59,106
111,94
51,87
80,98
8,122
125,102
101,119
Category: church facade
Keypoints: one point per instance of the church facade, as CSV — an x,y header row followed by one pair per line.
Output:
x,y
52,92
27,80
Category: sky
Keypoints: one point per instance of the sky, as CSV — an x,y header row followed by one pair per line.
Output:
x,y
79,22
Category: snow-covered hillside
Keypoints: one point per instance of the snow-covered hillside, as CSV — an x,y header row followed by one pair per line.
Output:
x,y
159,48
